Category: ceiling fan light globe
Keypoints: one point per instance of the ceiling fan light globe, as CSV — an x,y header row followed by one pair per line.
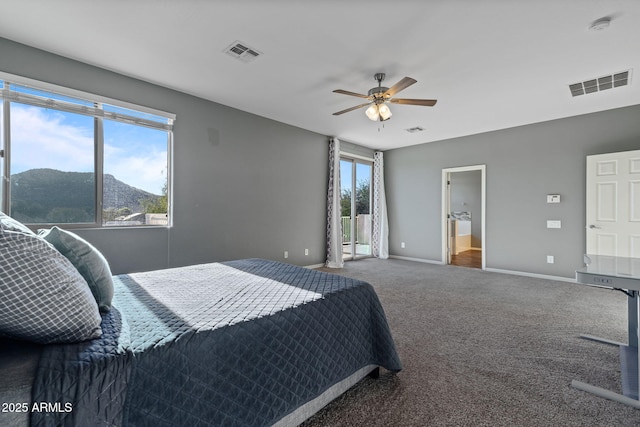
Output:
x,y
385,112
372,112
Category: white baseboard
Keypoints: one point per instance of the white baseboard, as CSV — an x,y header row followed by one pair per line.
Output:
x,y
536,275
313,266
493,270
406,258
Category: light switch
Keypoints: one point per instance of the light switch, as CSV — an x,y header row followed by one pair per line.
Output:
x,y
554,223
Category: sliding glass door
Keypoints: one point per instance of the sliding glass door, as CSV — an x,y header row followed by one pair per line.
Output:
x,y
355,190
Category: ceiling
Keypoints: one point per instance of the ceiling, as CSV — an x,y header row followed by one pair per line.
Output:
x,y
491,64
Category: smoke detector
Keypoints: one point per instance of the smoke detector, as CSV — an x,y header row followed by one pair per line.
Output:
x,y
600,24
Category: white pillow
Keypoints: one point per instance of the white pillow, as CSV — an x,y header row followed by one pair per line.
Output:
x,y
43,298
10,224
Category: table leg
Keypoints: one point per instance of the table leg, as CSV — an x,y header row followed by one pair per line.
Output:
x,y
629,360
632,303
606,394
636,313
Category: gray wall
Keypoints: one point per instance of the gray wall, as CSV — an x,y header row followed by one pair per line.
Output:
x,y
523,165
466,196
244,186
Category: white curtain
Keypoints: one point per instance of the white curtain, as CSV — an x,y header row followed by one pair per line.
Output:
x,y
380,237
334,222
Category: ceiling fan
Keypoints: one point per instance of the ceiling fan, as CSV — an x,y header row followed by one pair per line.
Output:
x,y
380,96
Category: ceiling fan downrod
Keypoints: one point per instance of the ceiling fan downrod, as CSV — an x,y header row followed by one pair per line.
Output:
x,y
378,92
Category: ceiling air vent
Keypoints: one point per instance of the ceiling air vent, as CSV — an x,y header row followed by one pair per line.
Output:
x,y
415,129
242,51
600,83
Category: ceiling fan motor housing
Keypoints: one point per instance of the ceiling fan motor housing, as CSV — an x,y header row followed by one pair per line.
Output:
x,y
377,93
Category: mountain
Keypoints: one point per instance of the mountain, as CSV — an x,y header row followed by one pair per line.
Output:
x,y
118,195
50,196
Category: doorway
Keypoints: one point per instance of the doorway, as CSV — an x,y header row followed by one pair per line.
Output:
x,y
463,216
356,176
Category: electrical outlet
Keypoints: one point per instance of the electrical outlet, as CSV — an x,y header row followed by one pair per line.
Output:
x,y
286,254
550,259
306,252
402,245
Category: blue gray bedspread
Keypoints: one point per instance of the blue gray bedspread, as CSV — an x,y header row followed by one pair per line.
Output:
x,y
240,343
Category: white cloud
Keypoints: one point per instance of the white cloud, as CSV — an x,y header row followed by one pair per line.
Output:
x,y
41,139
50,139
147,171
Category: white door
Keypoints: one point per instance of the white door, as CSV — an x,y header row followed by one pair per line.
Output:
x,y
613,204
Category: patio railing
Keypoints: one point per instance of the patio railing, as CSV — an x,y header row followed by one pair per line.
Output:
x,y
363,229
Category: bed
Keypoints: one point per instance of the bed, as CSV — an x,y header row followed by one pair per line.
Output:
x,y
241,343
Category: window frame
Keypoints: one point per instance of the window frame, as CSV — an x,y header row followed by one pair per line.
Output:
x,y
99,114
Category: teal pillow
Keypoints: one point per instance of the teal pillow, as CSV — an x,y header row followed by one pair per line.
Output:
x,y
88,260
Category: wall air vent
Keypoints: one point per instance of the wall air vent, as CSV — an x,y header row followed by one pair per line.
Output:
x,y
415,129
600,83
242,51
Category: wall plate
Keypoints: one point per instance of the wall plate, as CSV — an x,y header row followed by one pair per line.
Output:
x,y
553,198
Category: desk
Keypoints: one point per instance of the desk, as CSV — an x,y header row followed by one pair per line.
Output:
x,y
621,274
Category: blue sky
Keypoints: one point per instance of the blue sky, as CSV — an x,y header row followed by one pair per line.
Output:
x,y
43,138
363,173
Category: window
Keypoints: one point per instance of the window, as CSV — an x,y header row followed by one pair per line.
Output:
x,y
75,159
52,168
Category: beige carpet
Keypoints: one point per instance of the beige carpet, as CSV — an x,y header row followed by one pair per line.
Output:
x,y
487,349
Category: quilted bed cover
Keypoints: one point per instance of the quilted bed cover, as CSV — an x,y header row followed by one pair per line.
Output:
x,y
240,343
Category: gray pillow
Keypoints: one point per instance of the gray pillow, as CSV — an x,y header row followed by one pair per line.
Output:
x,y
8,223
43,298
89,262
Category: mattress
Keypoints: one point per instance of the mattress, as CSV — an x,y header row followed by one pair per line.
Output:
x,y
240,343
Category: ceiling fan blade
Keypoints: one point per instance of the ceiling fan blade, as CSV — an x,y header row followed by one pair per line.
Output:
x,y
346,92
401,85
351,109
406,101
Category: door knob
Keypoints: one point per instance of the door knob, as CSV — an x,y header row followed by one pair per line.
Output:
x,y
592,226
